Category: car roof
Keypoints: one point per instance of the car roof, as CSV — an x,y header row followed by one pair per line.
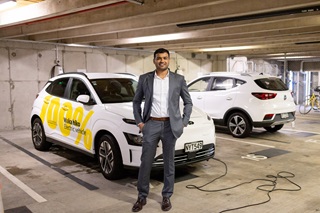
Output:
x,y
252,75
94,75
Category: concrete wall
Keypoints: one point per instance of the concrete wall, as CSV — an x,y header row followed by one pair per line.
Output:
x,y
25,67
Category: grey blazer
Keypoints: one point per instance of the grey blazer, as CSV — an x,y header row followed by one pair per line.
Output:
x,y
177,88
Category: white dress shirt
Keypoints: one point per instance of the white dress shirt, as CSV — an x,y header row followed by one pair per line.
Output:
x,y
160,100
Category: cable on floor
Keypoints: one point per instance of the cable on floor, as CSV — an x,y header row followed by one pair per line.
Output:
x,y
269,187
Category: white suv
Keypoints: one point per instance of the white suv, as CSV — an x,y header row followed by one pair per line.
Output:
x,y
242,101
92,113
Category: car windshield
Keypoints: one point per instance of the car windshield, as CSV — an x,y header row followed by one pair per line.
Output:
x,y
115,90
271,84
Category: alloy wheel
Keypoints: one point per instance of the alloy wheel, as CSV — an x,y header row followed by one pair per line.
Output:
x,y
237,125
37,134
106,157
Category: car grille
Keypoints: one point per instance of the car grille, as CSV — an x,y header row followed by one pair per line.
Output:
x,y
182,157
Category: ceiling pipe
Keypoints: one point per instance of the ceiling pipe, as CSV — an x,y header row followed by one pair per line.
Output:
x,y
251,17
79,46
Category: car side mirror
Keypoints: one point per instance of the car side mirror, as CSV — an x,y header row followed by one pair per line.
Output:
x,y
84,99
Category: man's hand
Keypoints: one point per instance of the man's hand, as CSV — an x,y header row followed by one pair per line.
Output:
x,y
141,125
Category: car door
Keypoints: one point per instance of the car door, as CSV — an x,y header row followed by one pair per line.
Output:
x,y
198,90
50,109
77,116
220,97
214,95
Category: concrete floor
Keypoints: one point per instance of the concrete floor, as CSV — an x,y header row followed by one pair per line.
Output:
x,y
64,181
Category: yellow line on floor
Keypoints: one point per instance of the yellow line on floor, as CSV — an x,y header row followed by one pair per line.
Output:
x,y
22,186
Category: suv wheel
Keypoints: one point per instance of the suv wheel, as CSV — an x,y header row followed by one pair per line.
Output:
x,y
38,136
110,159
239,125
273,128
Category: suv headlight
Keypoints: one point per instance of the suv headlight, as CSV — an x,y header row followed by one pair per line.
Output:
x,y
129,121
135,140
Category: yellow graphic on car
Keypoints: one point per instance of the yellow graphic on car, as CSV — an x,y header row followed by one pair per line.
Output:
x,y
67,119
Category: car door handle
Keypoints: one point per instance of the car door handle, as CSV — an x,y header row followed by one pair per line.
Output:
x,y
229,98
199,97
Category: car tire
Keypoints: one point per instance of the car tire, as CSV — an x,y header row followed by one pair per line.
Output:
x,y
273,128
239,125
109,157
39,136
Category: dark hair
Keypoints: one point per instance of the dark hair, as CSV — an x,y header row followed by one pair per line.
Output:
x,y
161,50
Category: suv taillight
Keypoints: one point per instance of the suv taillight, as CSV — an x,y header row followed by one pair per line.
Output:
x,y
264,95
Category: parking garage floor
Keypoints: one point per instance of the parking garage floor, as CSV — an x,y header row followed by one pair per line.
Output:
x,y
266,172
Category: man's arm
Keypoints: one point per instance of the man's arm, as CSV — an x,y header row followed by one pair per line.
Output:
x,y
137,100
187,102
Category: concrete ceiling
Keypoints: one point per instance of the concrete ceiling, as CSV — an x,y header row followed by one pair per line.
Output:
x,y
257,29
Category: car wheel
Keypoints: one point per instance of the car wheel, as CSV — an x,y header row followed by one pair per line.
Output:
x,y
110,159
239,125
39,136
273,128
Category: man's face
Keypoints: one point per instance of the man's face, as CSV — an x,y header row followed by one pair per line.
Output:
x,y
161,61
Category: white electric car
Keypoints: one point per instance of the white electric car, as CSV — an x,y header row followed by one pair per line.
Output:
x,y
92,113
242,101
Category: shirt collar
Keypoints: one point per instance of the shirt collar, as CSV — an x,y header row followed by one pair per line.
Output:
x,y
155,74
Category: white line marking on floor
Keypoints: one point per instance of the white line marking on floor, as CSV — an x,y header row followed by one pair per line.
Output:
x,y
22,186
313,141
296,130
257,144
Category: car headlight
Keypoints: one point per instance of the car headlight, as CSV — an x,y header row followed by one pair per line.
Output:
x,y
129,121
135,140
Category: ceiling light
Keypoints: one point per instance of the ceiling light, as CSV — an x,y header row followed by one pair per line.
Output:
x,y
157,38
292,57
229,48
5,4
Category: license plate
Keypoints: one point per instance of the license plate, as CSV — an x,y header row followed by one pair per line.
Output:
x,y
284,115
194,146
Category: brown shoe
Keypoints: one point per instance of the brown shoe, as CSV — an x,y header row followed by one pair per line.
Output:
x,y
139,204
166,204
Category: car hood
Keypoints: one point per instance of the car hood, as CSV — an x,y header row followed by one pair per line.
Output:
x,y
122,109
125,110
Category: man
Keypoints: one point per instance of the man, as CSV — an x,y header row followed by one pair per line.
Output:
x,y
161,120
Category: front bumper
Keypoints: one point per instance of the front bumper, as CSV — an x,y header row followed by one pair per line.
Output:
x,y
184,158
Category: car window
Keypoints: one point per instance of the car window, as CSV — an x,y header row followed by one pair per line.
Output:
x,y
271,84
239,82
200,85
222,83
78,87
115,90
58,87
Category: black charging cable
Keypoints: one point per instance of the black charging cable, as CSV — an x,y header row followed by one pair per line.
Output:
x,y
269,187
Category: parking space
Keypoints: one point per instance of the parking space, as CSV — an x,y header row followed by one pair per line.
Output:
x,y
274,164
